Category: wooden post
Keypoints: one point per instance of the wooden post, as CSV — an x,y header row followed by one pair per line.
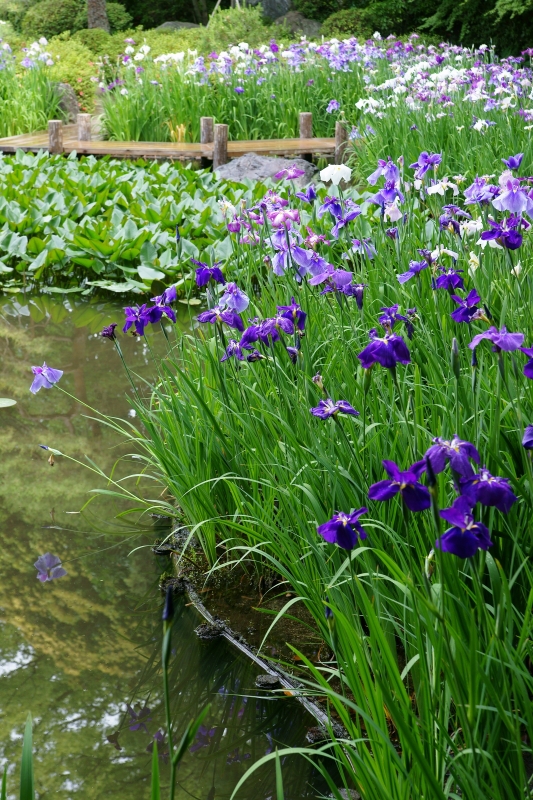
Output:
x,y
341,142
306,130
55,136
220,151
207,135
84,127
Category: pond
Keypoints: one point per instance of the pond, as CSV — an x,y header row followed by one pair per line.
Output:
x,y
82,653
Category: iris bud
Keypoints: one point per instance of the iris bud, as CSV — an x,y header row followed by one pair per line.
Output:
x,y
456,363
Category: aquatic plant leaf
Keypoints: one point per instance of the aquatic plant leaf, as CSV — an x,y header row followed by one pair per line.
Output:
x,y
279,778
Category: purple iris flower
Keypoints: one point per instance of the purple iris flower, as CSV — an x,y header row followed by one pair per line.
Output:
x,y
390,317
331,204
456,451
467,307
309,195
108,332
343,530
291,173
414,494
514,199
392,233
387,350
387,169
139,316
328,408
239,90
333,105
364,247
455,211
334,277
309,261
234,350
481,192
49,567
425,162
294,313
513,162
447,222
527,440
204,274
219,314
505,232
449,279
45,377
351,211
235,225
356,290
234,298
415,268
161,305
293,352
284,249
466,537
489,490
255,355
387,194
501,340
528,369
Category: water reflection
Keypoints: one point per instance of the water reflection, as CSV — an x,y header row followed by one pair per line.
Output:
x,y
80,650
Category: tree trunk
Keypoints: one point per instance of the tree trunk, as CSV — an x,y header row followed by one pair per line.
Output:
x,y
97,15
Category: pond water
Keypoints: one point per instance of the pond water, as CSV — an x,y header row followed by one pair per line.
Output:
x,y
82,653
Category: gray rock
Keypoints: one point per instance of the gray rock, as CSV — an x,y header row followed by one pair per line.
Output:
x,y
267,682
297,23
259,168
207,631
68,102
272,9
174,26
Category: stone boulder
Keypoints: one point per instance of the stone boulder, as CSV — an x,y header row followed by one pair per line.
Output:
x,y
175,26
272,9
259,168
297,23
68,102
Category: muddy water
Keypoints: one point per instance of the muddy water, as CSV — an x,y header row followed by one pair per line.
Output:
x,y
81,653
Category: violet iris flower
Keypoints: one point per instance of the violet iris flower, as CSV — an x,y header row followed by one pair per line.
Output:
x,y
331,204
466,537
505,232
45,377
333,105
335,277
387,350
294,312
501,340
467,307
513,162
108,332
49,567
489,490
514,199
528,369
233,349
387,169
356,290
390,317
204,274
234,298
219,314
449,279
161,305
255,355
328,408
351,211
425,162
414,494
307,196
387,195
309,261
527,440
343,530
139,316
392,233
283,217
415,268
454,450
364,247
481,192
291,173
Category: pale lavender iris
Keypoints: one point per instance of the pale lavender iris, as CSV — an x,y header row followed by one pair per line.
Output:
x,y
49,567
343,530
364,247
45,377
333,105
234,298
386,169
480,192
335,277
501,340
406,483
513,199
466,536
290,174
329,408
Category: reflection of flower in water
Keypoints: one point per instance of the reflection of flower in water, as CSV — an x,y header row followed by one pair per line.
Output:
x,y
234,757
203,738
139,716
159,737
49,567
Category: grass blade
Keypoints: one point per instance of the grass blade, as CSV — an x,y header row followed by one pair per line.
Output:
x,y
27,790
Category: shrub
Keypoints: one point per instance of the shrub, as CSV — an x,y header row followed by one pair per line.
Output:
x,y
13,11
317,9
360,22
50,18
118,17
95,39
75,65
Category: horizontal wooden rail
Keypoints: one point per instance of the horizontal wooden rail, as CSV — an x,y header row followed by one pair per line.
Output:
x,y
77,138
